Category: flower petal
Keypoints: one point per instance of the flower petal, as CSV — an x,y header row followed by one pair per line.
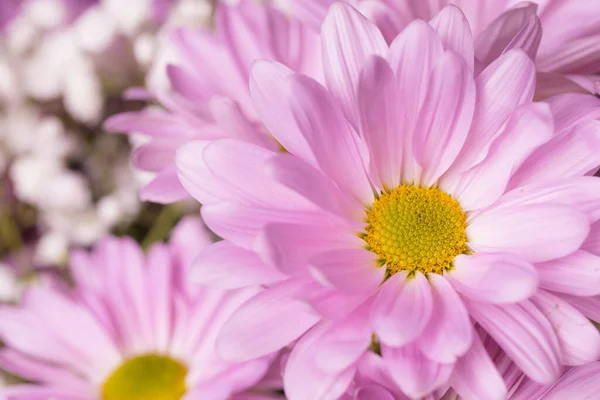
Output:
x,y
165,188
269,321
402,309
327,132
378,119
453,28
449,333
537,232
493,277
415,373
348,40
517,28
349,270
227,266
578,338
524,334
476,377
444,118
577,274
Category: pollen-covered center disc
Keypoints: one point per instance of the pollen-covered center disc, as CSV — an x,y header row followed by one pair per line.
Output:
x,y
146,377
416,229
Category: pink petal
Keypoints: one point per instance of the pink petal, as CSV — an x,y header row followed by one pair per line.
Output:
x,y
415,373
578,338
373,393
537,232
496,102
449,332
517,28
577,274
570,109
348,39
493,277
229,116
239,167
349,270
412,57
152,123
476,377
328,133
158,154
524,334
165,188
266,323
445,117
378,119
324,360
454,30
269,88
242,224
577,383
289,247
226,266
574,153
530,127
402,309
315,186
592,242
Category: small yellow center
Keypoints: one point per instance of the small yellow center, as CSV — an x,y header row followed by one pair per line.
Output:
x,y
146,377
416,229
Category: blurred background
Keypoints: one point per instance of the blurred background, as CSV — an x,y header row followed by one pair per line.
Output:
x,y
64,182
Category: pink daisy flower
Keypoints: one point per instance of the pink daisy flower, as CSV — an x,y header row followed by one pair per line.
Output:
x,y
568,53
416,200
210,97
128,330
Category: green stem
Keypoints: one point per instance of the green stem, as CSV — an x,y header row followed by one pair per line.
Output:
x,y
162,225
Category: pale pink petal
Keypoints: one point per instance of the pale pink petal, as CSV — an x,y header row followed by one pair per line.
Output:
x,y
269,88
243,224
388,20
492,108
480,186
373,393
226,266
582,193
239,167
314,186
444,118
348,40
321,363
580,56
289,247
412,57
158,154
578,338
524,334
349,270
577,383
152,123
493,277
327,133
266,323
453,28
165,188
448,334
537,232
577,274
415,373
570,109
592,242
378,119
517,28
574,153
476,377
229,116
402,309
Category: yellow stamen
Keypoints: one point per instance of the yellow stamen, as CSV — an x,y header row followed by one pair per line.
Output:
x,y
146,377
416,229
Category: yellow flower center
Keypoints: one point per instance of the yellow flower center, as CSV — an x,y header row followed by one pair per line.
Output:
x,y
416,229
146,377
